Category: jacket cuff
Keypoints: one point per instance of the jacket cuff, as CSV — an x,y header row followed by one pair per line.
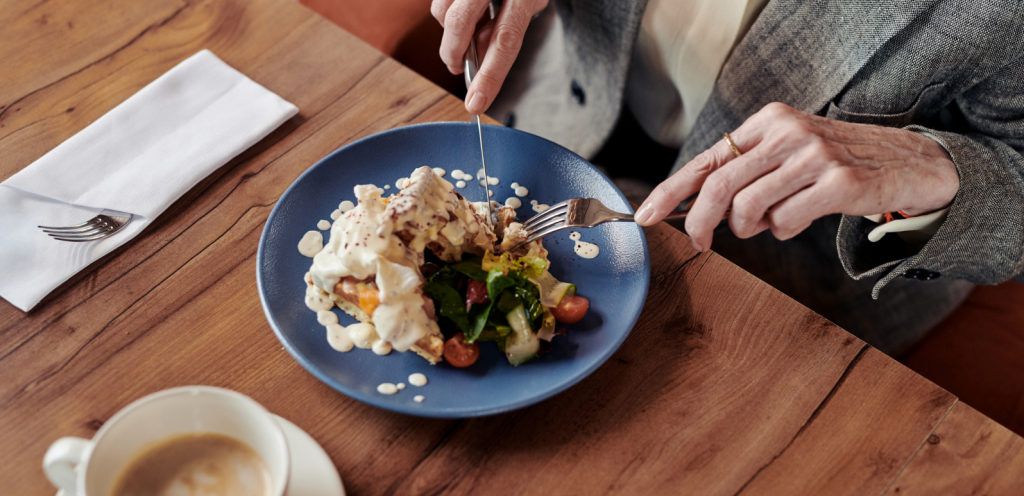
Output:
x,y
981,238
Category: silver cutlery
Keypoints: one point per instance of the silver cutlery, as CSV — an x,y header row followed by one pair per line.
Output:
x,y
103,225
471,68
577,213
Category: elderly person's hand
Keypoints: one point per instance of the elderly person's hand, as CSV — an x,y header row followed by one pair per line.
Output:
x,y
498,42
798,167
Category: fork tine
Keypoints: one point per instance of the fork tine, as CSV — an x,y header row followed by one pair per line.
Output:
x,y
98,230
552,211
76,239
85,225
96,224
540,234
546,224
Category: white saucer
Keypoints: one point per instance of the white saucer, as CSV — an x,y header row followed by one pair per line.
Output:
x,y
313,473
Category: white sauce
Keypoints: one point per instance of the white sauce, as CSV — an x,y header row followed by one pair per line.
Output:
x,y
401,385
363,335
539,207
439,171
311,243
381,347
493,181
458,174
316,300
513,202
460,184
326,317
418,379
387,186
418,398
339,338
490,194
335,214
363,245
480,174
515,185
402,183
345,206
323,225
387,388
521,191
483,183
582,248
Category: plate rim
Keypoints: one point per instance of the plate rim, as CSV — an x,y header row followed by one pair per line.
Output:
x,y
417,410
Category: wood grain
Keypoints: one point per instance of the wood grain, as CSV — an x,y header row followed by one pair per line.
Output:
x,y
967,454
725,385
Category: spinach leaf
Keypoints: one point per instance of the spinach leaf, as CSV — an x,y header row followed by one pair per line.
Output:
x,y
471,268
442,288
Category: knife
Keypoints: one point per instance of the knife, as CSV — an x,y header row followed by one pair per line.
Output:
x,y
472,66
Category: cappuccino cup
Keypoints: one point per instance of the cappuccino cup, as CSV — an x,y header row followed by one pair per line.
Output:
x,y
213,423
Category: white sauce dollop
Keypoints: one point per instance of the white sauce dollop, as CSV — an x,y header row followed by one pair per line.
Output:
x,y
418,398
387,388
316,300
335,214
323,225
418,379
339,338
460,184
582,248
363,335
401,385
521,191
458,174
326,317
493,181
513,202
311,244
345,206
401,183
490,194
439,171
539,207
387,186
381,347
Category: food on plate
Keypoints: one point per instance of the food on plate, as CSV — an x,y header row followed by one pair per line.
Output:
x,y
479,284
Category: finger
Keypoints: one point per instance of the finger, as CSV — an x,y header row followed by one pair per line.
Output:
x,y
502,49
794,214
689,179
751,204
459,26
438,8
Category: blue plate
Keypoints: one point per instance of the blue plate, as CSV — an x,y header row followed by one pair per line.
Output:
x,y
615,282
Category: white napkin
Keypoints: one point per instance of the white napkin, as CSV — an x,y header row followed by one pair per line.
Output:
x,y
138,158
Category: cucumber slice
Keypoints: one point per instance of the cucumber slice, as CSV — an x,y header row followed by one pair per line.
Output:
x,y
521,344
552,290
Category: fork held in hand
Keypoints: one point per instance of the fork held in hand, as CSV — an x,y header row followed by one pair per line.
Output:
x,y
103,225
577,212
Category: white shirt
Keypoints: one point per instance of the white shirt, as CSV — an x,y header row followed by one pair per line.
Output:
x,y
680,50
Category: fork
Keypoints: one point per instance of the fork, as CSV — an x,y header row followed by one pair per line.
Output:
x,y
577,212
103,225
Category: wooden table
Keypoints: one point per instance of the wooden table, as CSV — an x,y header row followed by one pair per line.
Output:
x,y
725,386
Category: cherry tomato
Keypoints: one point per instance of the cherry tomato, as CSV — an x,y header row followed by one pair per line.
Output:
x,y
459,353
571,309
476,293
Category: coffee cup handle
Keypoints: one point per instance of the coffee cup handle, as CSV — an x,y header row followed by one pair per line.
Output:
x,y
61,462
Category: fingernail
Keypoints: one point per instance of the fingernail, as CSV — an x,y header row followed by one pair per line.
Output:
x,y
475,103
643,214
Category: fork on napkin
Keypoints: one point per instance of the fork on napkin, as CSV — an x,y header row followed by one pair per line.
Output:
x,y
138,158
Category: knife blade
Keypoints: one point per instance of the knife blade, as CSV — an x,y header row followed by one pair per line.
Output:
x,y
472,66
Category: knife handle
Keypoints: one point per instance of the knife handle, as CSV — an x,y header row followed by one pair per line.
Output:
x,y
472,64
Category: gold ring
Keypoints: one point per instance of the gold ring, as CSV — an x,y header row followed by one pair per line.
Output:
x,y
731,145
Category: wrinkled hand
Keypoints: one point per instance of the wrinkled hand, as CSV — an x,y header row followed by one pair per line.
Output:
x,y
797,167
498,42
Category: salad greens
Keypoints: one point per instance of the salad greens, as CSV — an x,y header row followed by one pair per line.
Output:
x,y
511,294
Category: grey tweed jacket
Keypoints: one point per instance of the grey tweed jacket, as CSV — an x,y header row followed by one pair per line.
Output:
x,y
952,69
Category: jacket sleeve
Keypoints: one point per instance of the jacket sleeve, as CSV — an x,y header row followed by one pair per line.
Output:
x,y
982,238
